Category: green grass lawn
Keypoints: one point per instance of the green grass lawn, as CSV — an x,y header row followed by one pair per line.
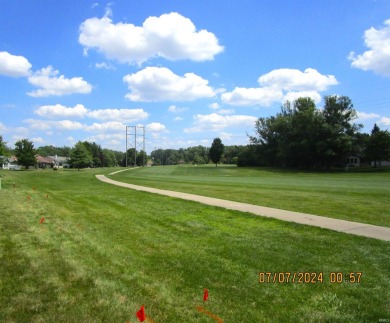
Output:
x,y
103,251
354,196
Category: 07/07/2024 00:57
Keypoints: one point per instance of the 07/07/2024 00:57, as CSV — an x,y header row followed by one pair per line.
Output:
x,y
309,277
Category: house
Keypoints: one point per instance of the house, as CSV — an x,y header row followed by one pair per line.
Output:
x,y
353,161
10,163
4,162
44,162
60,162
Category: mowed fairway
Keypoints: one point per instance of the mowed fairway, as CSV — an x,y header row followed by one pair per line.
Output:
x,y
103,251
354,196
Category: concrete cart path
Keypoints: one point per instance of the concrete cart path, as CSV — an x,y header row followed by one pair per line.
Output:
x,y
361,229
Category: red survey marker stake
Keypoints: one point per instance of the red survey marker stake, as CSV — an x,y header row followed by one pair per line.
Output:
x,y
141,314
205,295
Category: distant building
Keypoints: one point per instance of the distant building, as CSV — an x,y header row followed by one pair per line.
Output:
x,y
44,162
381,163
353,161
52,162
60,162
10,163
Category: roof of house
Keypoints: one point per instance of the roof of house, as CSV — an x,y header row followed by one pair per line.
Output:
x,y
44,160
10,159
59,158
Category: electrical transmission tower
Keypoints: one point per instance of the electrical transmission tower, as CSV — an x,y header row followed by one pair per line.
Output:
x,y
135,139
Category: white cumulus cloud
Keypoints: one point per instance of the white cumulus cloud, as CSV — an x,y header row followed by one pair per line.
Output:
x,y
48,125
118,114
292,96
170,36
280,85
252,96
156,127
60,111
161,84
37,140
214,106
294,80
366,116
384,121
105,66
51,84
105,126
14,66
377,57
226,111
175,109
216,122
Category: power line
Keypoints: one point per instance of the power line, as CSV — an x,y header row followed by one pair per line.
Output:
x,y
135,140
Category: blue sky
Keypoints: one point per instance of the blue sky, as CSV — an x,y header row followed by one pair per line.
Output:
x,y
187,71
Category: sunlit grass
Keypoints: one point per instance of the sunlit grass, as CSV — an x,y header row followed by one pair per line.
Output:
x,y
355,196
103,251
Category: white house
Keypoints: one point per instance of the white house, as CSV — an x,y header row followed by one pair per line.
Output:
x,y
9,163
353,161
60,162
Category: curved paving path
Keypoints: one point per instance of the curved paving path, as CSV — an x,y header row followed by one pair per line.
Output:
x,y
361,229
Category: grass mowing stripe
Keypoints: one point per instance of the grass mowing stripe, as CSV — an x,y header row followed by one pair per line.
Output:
x,y
104,251
358,197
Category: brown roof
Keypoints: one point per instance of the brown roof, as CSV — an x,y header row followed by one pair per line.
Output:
x,y
44,160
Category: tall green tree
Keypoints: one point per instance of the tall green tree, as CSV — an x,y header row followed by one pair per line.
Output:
x,y
96,153
290,138
2,146
303,136
3,149
131,155
52,151
338,129
25,153
142,158
378,146
109,158
216,151
80,156
231,154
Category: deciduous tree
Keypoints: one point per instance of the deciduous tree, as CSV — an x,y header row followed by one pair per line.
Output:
x,y
25,153
2,149
378,146
142,158
303,136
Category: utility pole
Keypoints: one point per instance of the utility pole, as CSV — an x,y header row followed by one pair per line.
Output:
x,y
132,140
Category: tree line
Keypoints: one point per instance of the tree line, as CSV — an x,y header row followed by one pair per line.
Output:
x,y
303,136
90,154
83,154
